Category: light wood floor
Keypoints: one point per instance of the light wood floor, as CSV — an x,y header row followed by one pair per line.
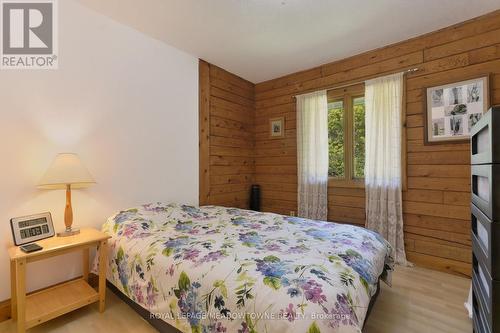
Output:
x,y
420,300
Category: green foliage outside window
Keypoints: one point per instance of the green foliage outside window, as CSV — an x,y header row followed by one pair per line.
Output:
x,y
359,136
336,167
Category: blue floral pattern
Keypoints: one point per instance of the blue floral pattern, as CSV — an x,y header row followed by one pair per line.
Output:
x,y
216,269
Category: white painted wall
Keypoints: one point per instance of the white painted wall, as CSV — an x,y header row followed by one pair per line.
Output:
x,y
126,103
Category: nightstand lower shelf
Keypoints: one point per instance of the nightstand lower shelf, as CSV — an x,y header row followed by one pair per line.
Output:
x,y
58,300
39,307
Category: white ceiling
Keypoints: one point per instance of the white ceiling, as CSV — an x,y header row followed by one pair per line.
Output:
x,y
264,39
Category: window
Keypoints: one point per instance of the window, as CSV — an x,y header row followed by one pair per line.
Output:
x,y
346,135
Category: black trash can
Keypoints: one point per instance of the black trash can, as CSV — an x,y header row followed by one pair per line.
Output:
x,y
255,198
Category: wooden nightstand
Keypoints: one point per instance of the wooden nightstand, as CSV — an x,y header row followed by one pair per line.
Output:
x,y
55,301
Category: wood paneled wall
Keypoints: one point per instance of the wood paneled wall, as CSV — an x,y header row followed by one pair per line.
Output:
x,y
436,203
227,113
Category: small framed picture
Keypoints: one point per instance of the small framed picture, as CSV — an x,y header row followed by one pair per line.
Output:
x,y
277,127
452,109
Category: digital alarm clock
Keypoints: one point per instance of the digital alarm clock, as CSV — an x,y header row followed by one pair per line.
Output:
x,y
27,229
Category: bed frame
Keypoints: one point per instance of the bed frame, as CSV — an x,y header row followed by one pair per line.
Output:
x,y
163,327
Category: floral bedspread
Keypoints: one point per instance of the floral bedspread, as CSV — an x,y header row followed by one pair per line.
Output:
x,y
216,269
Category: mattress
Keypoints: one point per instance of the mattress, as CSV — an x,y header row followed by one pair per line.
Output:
x,y
218,269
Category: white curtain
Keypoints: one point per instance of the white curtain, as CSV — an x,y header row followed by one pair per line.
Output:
x,y
383,113
312,154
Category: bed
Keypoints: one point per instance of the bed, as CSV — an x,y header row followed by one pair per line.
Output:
x,y
218,269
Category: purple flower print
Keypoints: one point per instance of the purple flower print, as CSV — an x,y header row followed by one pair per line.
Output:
x,y
151,294
343,313
343,242
129,230
313,292
137,292
212,256
191,254
250,239
367,246
220,328
272,247
299,249
171,270
244,328
155,208
289,313
256,226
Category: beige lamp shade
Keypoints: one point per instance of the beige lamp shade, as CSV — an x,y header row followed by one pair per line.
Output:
x,y
66,169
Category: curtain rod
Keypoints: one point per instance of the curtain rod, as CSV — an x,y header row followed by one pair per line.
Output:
x,y
411,70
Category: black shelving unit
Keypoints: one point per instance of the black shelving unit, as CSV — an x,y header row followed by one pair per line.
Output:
x,y
485,214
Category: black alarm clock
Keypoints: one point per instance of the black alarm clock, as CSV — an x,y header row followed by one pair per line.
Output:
x,y
27,229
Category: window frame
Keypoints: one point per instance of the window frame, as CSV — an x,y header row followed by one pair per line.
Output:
x,y
347,95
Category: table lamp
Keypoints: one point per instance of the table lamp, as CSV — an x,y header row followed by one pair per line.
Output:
x,y
66,172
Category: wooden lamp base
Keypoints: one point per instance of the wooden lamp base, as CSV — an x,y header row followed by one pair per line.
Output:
x,y
68,216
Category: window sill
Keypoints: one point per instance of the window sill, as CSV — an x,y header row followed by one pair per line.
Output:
x,y
353,183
